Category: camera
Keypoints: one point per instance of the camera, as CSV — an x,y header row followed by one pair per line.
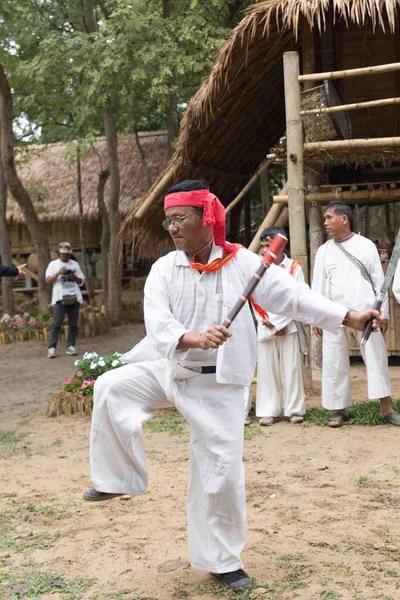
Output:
x,y
69,271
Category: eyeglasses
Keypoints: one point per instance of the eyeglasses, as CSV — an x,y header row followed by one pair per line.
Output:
x,y
176,221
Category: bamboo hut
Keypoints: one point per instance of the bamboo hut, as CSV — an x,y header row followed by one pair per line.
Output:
x,y
51,179
277,93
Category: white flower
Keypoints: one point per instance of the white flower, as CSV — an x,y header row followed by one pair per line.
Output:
x,y
115,363
93,365
88,355
101,363
95,355
76,362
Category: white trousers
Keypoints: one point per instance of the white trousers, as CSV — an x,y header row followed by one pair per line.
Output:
x,y
279,377
127,397
336,391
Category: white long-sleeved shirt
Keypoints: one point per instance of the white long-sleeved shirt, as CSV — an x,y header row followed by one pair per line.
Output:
x,y
340,280
265,333
171,299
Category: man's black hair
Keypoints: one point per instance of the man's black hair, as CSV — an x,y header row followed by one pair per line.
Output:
x,y
341,208
271,232
189,185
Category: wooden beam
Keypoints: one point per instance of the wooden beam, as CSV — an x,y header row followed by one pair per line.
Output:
x,y
295,177
269,221
359,197
159,189
264,165
351,72
355,106
369,143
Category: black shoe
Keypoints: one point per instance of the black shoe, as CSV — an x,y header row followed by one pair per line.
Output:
x,y
235,580
94,496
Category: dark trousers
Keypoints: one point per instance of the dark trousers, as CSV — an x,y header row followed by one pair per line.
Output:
x,y
59,311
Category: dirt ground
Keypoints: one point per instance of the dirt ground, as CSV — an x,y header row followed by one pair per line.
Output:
x,y
323,505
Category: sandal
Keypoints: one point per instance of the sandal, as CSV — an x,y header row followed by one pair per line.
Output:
x,y
393,418
296,419
337,420
268,421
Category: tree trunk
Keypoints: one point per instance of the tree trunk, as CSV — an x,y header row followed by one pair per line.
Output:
x,y
172,114
105,227
85,260
114,267
18,191
5,249
142,154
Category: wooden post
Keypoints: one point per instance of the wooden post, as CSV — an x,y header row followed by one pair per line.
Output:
x,y
295,179
247,218
312,181
265,199
283,219
269,221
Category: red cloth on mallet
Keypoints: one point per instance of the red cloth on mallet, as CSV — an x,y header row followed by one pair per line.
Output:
x,y
214,212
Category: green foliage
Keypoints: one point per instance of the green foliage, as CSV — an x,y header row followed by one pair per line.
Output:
x,y
17,586
363,413
172,422
62,70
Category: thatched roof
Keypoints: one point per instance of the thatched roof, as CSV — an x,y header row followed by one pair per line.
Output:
x,y
51,178
238,113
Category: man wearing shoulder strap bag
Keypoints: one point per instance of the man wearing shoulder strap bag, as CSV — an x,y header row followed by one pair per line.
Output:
x,y
66,276
348,270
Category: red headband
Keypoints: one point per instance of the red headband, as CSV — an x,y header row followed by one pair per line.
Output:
x,y
214,212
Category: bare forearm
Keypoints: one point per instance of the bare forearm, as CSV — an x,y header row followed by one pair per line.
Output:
x,y
189,340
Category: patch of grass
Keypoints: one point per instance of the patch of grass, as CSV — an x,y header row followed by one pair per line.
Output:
x,y
251,431
41,540
9,440
33,584
365,481
172,422
364,413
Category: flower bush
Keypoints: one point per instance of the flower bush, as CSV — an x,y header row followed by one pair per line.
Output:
x,y
88,369
31,319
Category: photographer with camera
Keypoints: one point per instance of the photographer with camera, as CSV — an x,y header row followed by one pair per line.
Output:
x,y
66,276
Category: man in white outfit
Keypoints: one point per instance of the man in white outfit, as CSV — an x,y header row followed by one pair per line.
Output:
x,y
280,388
190,361
348,270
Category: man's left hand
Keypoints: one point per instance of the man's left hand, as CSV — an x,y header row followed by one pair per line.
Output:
x,y
359,318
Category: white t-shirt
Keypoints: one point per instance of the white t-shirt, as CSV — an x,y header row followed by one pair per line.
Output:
x,y
64,286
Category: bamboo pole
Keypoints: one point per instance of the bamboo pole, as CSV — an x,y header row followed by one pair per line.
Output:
x,y
388,68
369,143
265,198
159,188
269,221
358,197
283,219
355,106
264,165
295,177
312,180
